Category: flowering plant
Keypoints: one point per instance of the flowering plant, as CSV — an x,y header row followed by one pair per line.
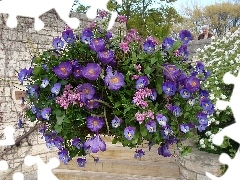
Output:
x,y
132,88
220,57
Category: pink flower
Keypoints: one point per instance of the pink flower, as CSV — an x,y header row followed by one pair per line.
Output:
x,y
139,97
124,46
135,77
122,19
92,25
140,117
102,14
138,67
155,41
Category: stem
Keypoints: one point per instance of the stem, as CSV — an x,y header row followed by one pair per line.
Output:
x,y
167,72
106,120
103,102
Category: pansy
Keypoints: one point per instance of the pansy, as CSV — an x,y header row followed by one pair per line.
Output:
x,y
142,82
97,44
176,110
169,88
106,56
153,95
183,51
116,122
203,94
34,109
77,143
92,103
20,124
184,93
192,84
163,150
185,36
108,35
115,80
46,113
206,104
129,132
139,153
95,144
191,101
63,156
91,71
24,74
58,142
63,70
87,91
200,67
58,43
77,72
81,162
94,123
166,132
184,128
162,120
45,82
148,46
202,118
68,36
56,88
201,127
151,126
167,43
171,72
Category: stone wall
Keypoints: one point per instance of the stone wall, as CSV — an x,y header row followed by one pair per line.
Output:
x,y
15,54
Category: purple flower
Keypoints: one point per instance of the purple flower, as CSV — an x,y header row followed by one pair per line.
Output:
x,y
171,72
203,94
184,93
97,44
44,84
58,43
116,122
106,56
185,36
95,144
115,80
23,74
87,32
163,150
202,118
77,72
58,142
166,132
169,88
162,120
191,102
167,43
50,144
92,103
56,88
129,132
201,127
20,124
148,46
121,19
63,70
34,109
183,51
108,35
77,143
176,110
142,82
139,153
63,156
151,126
86,40
81,162
184,128
200,67
206,104
91,71
94,123
46,113
192,84
45,67
68,36
153,95
87,91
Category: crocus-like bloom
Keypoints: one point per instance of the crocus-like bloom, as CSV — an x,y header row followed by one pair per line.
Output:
x,y
184,93
63,156
87,91
162,120
77,72
97,44
91,71
142,82
68,36
169,88
56,88
176,110
58,43
115,80
167,43
171,72
151,126
116,122
148,46
139,153
203,94
92,103
94,123
192,84
106,56
191,102
108,35
185,36
129,132
46,113
81,162
184,128
58,142
44,84
163,150
77,143
206,104
63,70
153,95
94,144
121,19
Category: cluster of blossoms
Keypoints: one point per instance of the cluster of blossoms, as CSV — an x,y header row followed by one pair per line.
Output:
x,y
91,80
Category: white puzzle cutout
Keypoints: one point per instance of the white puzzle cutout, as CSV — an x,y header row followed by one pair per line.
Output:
x,y
231,131
102,4
36,8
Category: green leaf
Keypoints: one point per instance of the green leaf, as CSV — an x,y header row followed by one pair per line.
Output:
x,y
177,44
143,130
63,82
37,60
148,70
58,128
153,60
126,110
60,119
114,141
159,87
37,70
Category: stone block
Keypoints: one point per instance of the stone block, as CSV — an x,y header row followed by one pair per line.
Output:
x,y
187,174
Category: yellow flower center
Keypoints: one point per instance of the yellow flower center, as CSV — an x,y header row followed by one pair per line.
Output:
x,y
114,80
95,123
91,72
194,83
129,135
86,91
171,69
96,41
64,71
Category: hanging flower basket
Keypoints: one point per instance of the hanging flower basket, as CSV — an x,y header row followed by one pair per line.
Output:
x,y
93,83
